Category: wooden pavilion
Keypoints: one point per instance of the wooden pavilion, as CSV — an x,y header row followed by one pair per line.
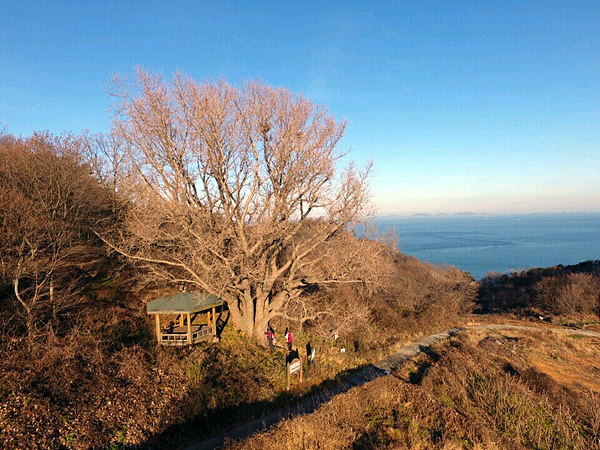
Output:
x,y
192,317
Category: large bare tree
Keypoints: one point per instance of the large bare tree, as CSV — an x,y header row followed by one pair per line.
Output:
x,y
236,191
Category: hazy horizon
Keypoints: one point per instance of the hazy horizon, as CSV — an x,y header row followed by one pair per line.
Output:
x,y
473,213
483,107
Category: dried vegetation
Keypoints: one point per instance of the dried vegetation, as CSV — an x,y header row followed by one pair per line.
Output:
x,y
104,383
478,390
571,292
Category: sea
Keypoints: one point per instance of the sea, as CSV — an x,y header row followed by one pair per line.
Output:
x,y
479,244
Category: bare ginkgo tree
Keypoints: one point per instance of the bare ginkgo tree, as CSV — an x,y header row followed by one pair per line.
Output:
x,y
235,191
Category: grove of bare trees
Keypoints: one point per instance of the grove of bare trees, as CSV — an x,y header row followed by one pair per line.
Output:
x,y
49,204
235,191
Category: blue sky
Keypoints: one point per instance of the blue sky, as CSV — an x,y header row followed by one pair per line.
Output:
x,y
489,106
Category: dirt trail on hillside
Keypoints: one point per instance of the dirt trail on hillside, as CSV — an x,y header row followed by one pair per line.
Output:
x,y
382,368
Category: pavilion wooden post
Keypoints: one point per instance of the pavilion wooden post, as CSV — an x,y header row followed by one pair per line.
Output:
x,y
214,322
158,334
189,323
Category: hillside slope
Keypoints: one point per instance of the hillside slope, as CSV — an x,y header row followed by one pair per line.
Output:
x,y
481,389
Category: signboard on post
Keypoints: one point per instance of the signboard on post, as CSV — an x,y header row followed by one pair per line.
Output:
x,y
293,366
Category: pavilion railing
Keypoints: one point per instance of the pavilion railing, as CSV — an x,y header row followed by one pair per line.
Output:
x,y
181,338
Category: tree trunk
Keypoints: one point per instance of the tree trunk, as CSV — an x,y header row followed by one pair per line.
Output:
x,y
53,303
26,307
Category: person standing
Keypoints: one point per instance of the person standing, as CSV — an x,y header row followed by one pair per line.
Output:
x,y
270,338
289,339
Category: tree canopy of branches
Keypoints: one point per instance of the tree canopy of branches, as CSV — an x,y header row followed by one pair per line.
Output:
x,y
105,155
48,204
235,191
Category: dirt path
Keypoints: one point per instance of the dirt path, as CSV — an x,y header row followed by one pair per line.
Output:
x,y
382,368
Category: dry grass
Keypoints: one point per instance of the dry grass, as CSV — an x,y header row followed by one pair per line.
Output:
x,y
81,391
480,390
104,383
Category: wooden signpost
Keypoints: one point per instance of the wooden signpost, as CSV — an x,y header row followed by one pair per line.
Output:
x,y
293,366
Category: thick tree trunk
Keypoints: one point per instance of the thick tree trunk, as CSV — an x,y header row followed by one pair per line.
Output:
x,y
250,314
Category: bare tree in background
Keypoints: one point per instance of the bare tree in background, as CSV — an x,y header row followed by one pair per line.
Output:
x,y
106,156
236,190
48,203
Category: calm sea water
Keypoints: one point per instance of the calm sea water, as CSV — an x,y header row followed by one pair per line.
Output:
x,y
498,243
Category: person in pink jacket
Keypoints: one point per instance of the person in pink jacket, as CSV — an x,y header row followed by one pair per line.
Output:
x,y
270,338
289,339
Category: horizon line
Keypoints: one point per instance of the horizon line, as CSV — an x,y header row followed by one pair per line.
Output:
x,y
469,213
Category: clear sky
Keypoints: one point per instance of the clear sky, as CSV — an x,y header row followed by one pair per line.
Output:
x,y
482,106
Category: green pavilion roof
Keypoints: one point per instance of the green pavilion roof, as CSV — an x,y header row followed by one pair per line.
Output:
x,y
183,302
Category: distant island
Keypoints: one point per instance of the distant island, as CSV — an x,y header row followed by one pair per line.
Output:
x,y
423,214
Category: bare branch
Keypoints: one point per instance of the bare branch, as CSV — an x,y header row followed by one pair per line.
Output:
x,y
235,187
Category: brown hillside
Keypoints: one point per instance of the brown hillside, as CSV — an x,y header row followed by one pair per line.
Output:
x,y
482,389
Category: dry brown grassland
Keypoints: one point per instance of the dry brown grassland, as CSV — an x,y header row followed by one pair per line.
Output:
x,y
481,389
104,383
